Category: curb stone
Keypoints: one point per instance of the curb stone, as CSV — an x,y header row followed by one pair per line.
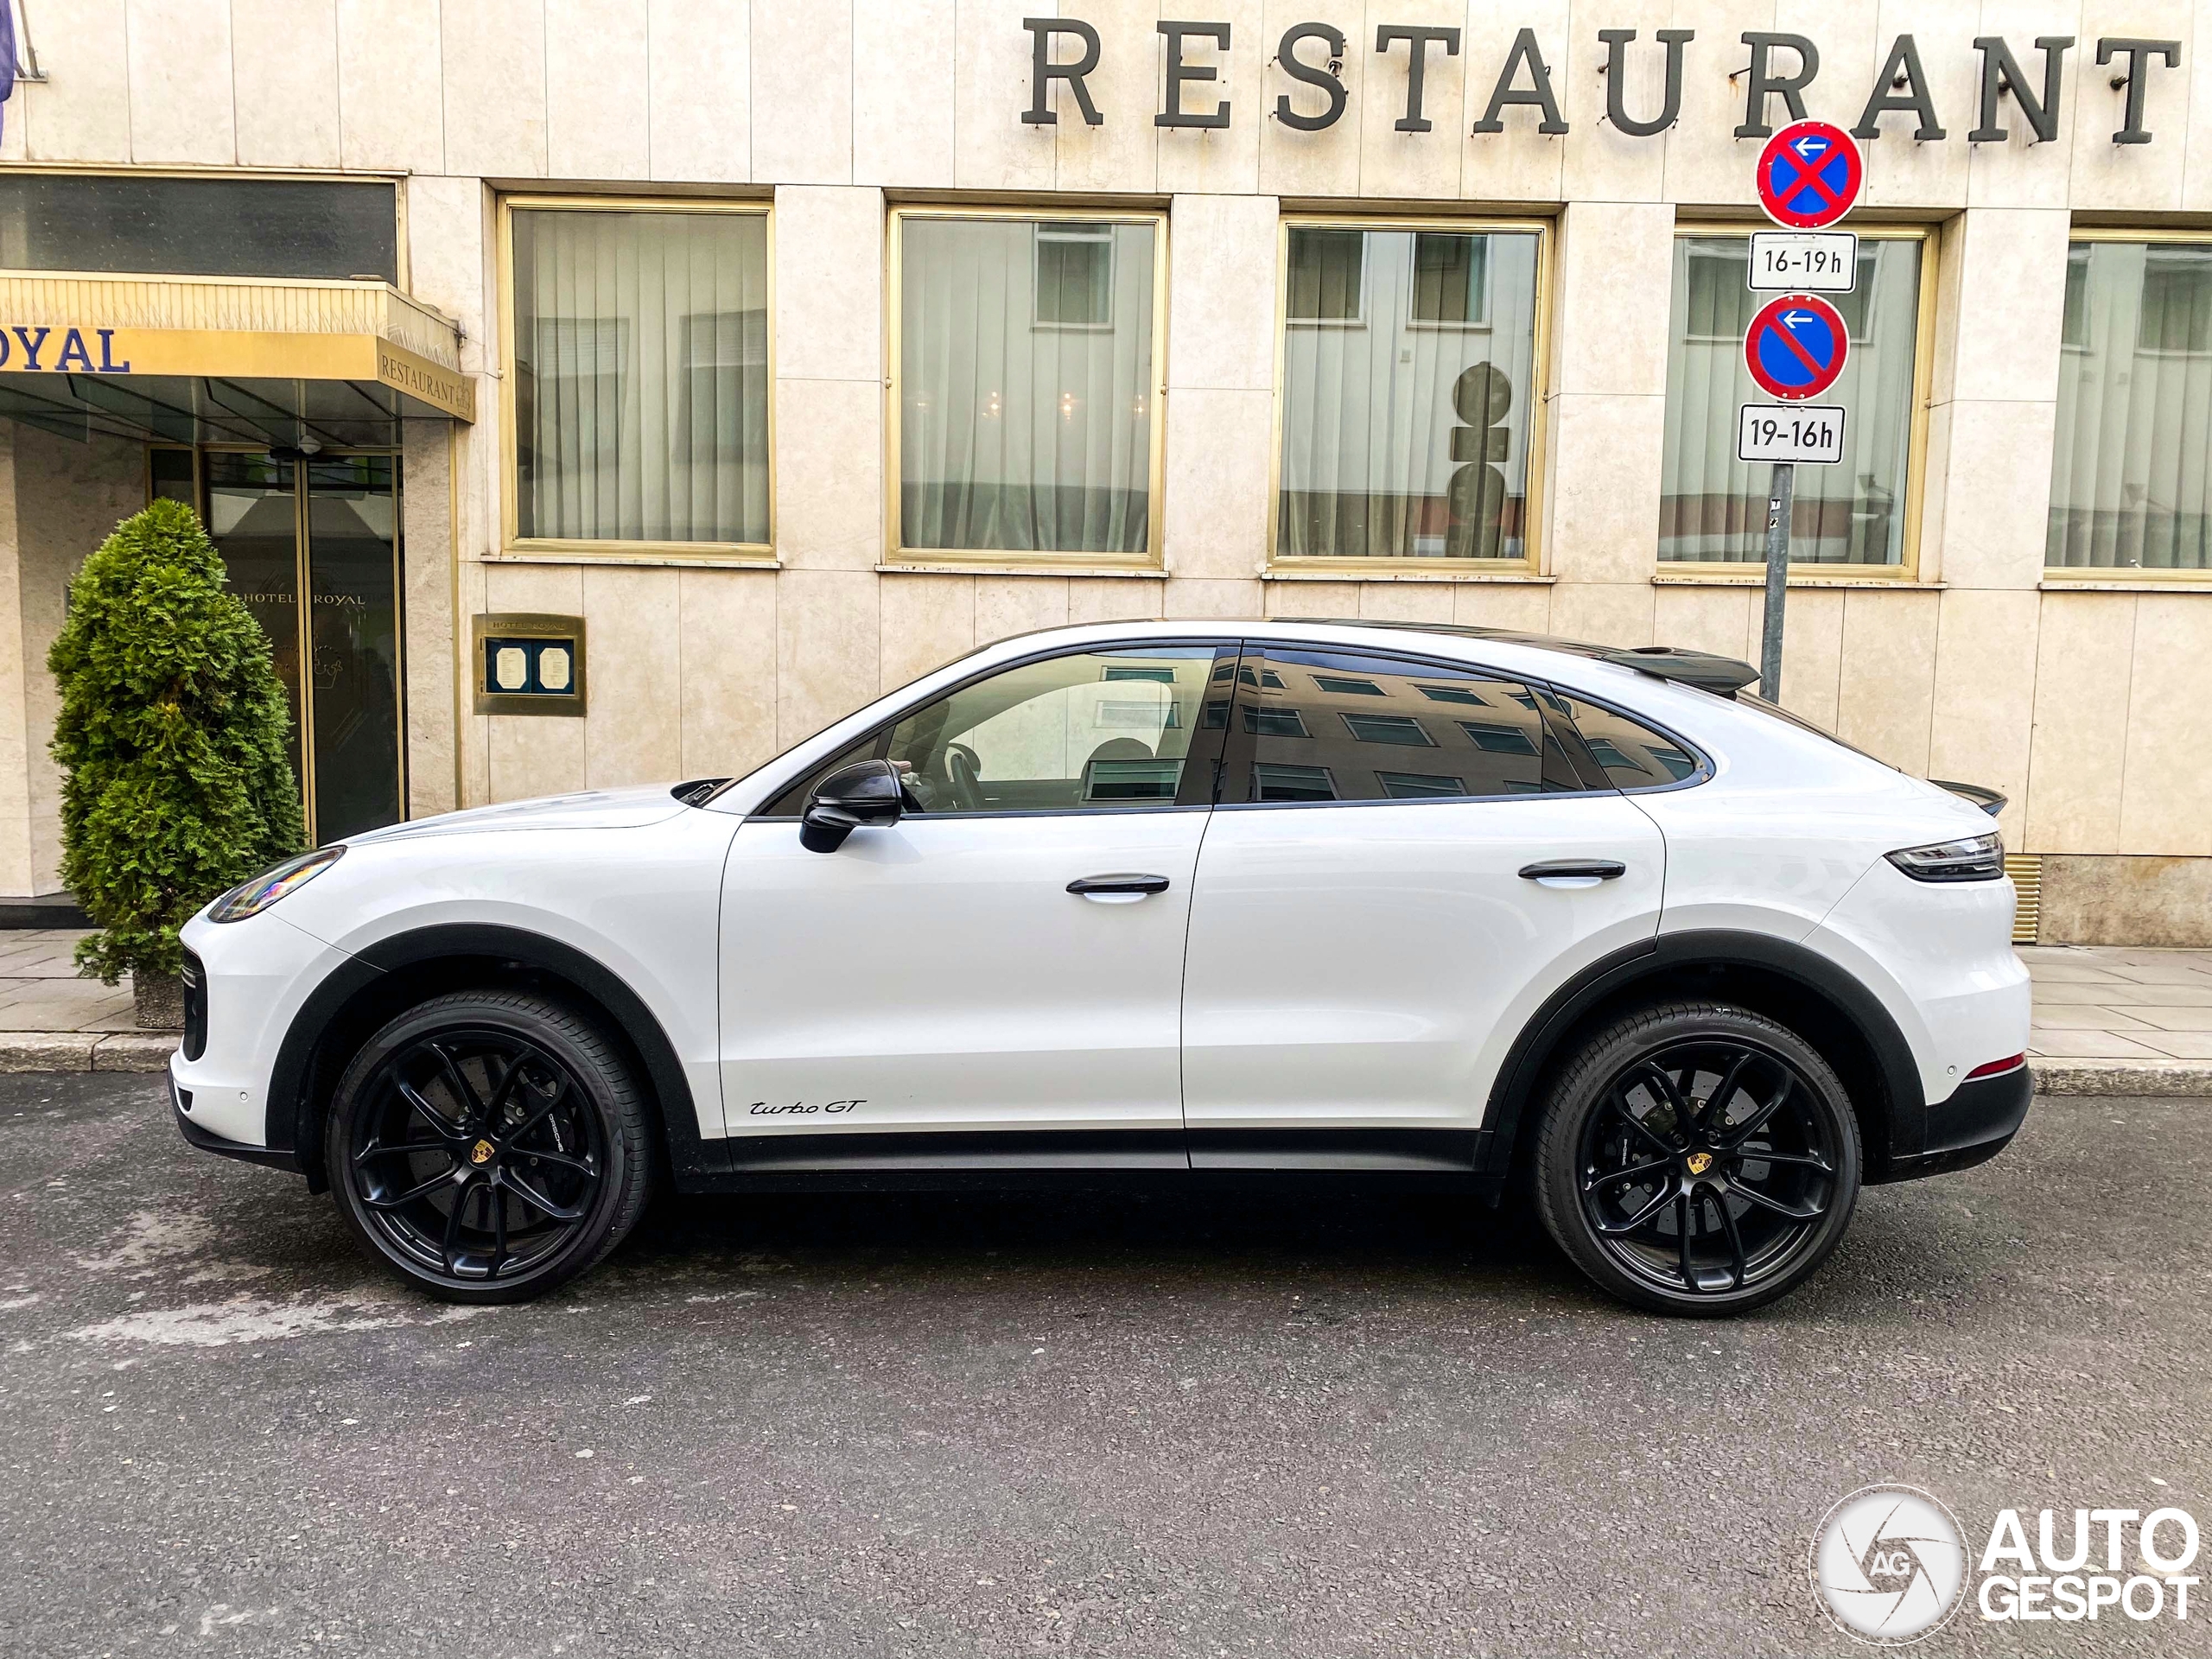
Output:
x,y
134,1052
48,1050
2120,1078
86,1051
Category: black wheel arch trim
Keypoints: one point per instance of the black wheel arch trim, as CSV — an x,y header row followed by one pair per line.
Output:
x,y
1533,1051
294,1127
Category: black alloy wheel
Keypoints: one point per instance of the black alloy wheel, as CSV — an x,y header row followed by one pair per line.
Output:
x,y
1698,1160
488,1146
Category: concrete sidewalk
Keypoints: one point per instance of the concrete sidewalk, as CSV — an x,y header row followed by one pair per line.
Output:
x,y
51,1021
2108,1020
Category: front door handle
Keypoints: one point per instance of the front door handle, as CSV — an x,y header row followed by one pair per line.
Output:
x,y
1572,873
1117,889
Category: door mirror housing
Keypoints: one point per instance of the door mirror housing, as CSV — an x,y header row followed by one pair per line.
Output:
x,y
868,791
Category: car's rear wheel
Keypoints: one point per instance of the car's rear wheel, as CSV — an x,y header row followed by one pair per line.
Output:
x,y
488,1145
1697,1159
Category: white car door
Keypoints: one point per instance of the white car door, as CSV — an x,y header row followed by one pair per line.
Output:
x,y
1007,959
1373,917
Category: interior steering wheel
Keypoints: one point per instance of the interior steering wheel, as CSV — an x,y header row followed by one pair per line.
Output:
x,y
964,772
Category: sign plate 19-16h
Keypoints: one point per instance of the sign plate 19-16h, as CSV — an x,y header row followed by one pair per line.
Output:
x,y
1803,435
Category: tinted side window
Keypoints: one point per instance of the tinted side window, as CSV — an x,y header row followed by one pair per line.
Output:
x,y
1092,729
1632,754
1337,726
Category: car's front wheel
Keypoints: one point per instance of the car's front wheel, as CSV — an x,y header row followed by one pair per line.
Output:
x,y
488,1145
1697,1159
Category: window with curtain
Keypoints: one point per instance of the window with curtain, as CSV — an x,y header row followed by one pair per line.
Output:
x,y
2131,474
1409,393
1713,507
640,376
1025,385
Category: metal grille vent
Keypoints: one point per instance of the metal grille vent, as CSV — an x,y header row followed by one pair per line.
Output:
x,y
2026,871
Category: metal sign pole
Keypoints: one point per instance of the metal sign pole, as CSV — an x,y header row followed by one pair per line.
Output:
x,y
1780,496
1808,176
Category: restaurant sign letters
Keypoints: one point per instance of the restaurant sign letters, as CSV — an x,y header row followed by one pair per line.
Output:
x,y
1065,51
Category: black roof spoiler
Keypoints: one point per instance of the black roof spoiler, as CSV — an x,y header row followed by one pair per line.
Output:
x,y
1989,800
1723,675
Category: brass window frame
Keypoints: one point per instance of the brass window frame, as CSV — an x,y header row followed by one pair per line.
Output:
x,y
552,550
303,594
2090,578
1906,571
1015,560
1531,563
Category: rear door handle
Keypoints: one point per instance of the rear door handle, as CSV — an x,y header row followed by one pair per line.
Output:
x,y
1123,889
1571,872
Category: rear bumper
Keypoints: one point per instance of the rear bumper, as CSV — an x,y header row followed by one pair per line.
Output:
x,y
203,1140
1976,1123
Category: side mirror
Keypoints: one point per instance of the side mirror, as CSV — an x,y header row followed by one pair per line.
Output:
x,y
868,791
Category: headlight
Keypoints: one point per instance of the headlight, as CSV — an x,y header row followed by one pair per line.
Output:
x,y
269,886
1971,858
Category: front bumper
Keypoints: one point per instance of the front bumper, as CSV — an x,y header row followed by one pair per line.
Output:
x,y
1977,1122
204,1140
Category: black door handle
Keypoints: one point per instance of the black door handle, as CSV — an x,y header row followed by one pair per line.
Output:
x,y
1602,869
1090,883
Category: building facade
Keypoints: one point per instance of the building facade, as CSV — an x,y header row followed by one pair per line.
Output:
x,y
588,392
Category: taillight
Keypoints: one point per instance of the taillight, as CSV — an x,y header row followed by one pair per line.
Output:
x,y
1970,858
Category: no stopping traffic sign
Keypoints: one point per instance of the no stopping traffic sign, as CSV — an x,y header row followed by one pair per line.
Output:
x,y
1810,174
1796,346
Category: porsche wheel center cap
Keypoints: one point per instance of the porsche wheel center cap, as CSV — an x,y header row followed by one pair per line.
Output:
x,y
1697,1162
481,1152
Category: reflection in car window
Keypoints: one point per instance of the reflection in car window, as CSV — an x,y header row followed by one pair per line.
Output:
x,y
1094,728
1327,726
1090,729
1633,755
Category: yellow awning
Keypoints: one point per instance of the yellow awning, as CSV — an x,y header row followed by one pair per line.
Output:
x,y
219,327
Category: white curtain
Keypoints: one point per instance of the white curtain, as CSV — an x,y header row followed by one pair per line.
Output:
x,y
1713,506
641,376
1025,385
2131,484
1397,442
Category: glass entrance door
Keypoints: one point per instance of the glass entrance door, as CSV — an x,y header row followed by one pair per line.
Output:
x,y
311,547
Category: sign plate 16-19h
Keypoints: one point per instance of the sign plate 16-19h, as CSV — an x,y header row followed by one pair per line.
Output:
x,y
1808,433
1804,262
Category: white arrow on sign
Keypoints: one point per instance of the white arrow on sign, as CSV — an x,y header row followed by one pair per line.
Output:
x,y
1810,145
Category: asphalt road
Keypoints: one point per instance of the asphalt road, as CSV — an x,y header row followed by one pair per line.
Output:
x,y
1011,1426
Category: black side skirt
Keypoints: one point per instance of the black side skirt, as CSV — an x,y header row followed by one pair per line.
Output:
x,y
922,1159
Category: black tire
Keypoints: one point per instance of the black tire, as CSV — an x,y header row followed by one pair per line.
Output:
x,y
488,1145
1674,1198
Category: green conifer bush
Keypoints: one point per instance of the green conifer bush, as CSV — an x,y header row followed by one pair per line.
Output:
x,y
172,737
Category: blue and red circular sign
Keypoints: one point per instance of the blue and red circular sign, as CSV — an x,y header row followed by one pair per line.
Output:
x,y
1810,174
1796,346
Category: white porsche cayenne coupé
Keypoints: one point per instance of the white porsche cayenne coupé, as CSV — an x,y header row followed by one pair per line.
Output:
x,y
1292,902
